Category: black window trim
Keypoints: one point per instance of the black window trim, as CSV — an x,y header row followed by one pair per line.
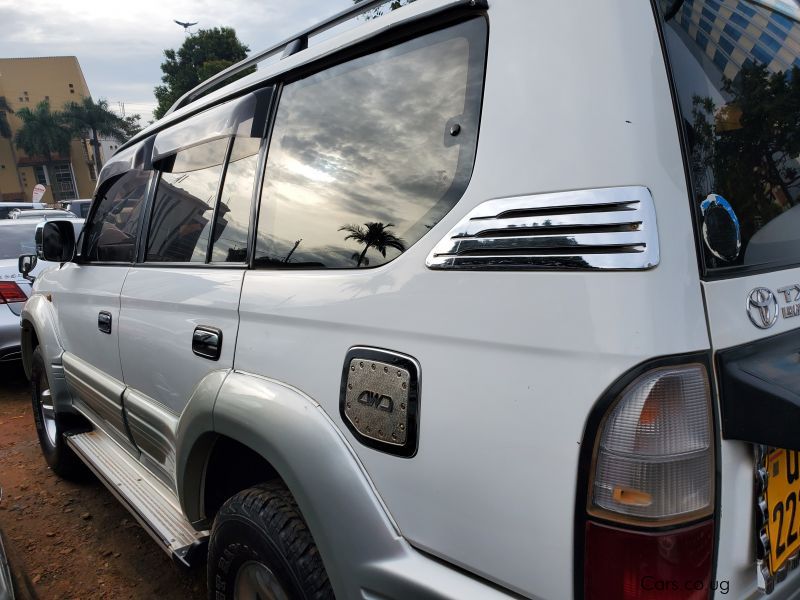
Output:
x,y
255,206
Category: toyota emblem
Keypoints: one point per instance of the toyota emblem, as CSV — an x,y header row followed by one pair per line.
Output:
x,y
762,307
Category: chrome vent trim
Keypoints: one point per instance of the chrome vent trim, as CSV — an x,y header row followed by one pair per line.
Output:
x,y
598,229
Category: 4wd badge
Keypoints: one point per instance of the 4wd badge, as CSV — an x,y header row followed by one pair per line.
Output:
x,y
379,400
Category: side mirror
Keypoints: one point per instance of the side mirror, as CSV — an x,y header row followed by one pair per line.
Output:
x,y
27,263
55,241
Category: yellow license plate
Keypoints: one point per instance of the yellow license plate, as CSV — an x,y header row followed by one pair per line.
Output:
x,y
783,493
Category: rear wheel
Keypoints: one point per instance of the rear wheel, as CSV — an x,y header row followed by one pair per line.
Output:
x,y
261,548
50,426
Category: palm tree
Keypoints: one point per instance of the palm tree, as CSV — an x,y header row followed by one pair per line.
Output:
x,y
5,133
88,119
373,235
42,134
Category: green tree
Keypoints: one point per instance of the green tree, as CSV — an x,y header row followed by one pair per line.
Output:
x,y
373,235
43,135
202,55
89,119
132,125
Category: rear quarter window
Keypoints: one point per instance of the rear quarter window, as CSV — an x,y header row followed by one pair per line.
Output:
x,y
367,156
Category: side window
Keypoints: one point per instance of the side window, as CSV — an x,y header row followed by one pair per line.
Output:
x,y
233,217
184,203
111,235
369,155
207,171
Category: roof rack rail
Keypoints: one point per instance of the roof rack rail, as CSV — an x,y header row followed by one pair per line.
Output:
x,y
292,45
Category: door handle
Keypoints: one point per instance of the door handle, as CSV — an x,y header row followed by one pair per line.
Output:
x,y
207,342
104,321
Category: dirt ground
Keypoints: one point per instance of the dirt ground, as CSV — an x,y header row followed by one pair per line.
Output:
x,y
73,540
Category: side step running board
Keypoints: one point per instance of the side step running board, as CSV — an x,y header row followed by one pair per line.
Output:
x,y
149,500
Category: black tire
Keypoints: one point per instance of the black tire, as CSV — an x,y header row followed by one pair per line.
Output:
x,y
262,526
60,457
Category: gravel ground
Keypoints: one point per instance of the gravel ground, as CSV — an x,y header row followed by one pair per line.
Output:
x,y
73,540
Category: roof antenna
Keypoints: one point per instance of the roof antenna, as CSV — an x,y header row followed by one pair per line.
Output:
x,y
185,26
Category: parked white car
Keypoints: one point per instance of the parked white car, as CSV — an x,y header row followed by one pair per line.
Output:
x,y
41,214
7,207
79,207
453,302
18,238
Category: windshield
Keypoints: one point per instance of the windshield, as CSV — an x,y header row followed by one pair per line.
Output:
x,y
736,71
17,239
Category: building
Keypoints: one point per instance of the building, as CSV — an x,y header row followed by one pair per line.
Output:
x,y
24,82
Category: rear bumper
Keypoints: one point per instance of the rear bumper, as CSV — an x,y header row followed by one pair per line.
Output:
x,y
10,335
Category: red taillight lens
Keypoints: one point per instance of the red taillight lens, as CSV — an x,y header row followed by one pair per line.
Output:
x,y
634,565
11,292
649,529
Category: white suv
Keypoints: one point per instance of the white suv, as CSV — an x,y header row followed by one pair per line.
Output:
x,y
469,300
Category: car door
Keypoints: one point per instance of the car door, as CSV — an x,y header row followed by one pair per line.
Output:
x,y
179,308
87,299
741,122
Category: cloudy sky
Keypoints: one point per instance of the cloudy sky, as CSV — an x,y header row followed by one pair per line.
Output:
x,y
120,44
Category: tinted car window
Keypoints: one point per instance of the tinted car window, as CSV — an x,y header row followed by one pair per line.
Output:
x,y
17,239
736,68
82,209
184,203
233,216
369,155
112,233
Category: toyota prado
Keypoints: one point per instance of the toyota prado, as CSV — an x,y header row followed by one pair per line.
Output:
x,y
467,299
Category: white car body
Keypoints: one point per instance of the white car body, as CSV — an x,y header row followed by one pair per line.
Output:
x,y
10,312
44,213
514,365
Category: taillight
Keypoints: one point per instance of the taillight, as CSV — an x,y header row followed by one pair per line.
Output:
x,y
11,292
649,528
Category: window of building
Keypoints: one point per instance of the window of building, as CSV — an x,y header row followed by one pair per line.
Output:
x,y
367,156
184,204
111,235
65,184
41,175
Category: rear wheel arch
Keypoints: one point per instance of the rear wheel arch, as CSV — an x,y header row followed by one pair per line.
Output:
x,y
308,451
230,467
